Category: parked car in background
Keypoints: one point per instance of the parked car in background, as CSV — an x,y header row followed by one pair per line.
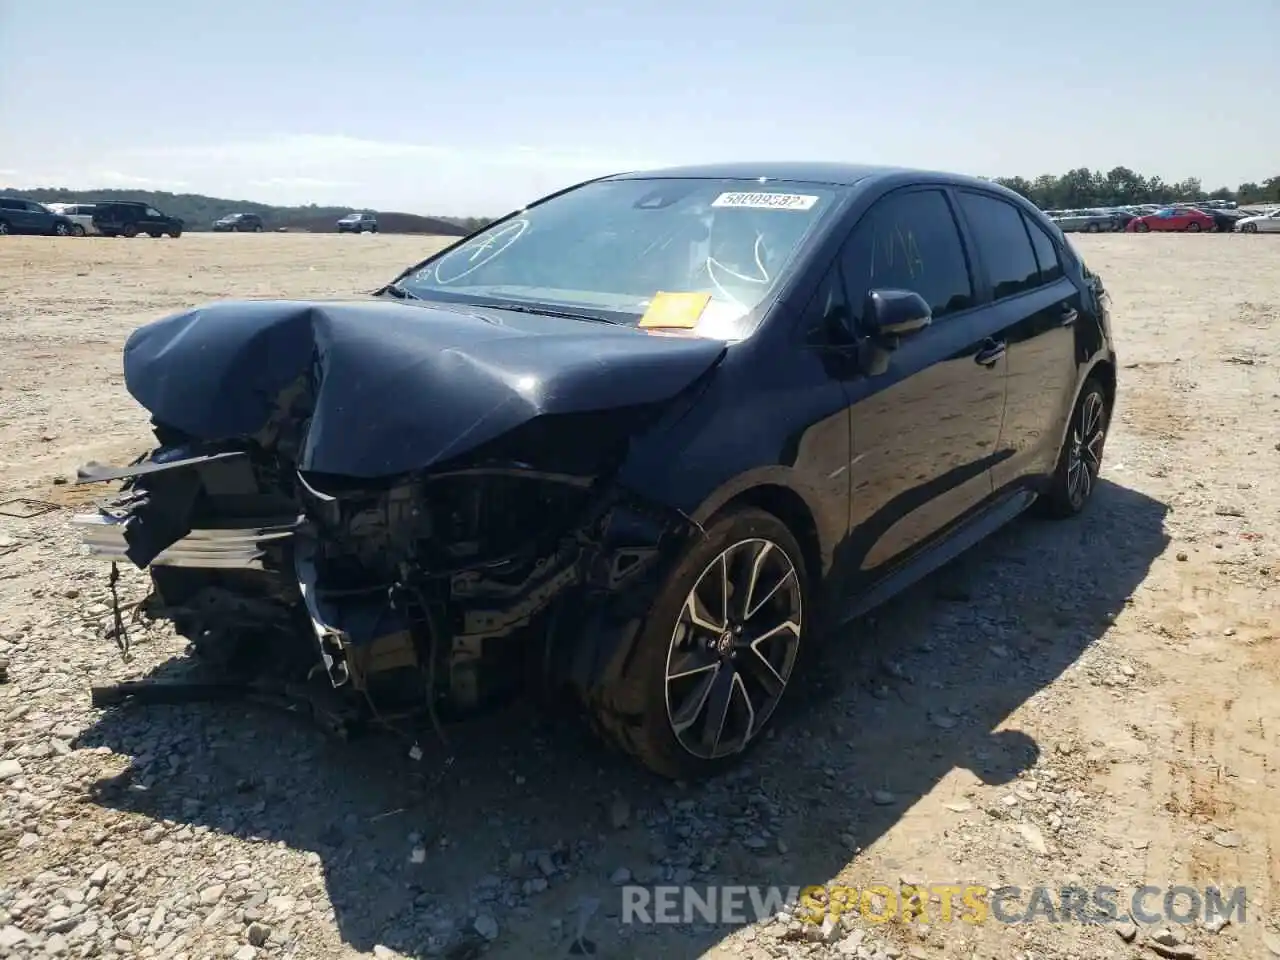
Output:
x,y
1173,219
1087,221
1120,217
119,218
1262,223
1224,219
521,465
80,215
26,216
238,223
358,223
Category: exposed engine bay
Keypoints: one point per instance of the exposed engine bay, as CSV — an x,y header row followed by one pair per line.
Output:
x,y
425,591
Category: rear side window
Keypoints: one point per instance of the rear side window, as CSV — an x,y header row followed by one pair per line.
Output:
x,y
1046,252
1003,243
908,241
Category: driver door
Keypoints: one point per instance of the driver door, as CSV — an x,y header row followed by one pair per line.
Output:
x,y
925,431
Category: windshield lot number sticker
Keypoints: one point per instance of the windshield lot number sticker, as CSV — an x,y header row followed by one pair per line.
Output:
x,y
766,201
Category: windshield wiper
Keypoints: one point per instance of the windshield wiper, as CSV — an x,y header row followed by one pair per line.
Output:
x,y
547,312
395,290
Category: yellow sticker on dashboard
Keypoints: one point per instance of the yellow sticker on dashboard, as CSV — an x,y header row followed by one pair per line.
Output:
x,y
674,311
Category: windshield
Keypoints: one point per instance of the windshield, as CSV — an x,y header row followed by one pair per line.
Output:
x,y
607,250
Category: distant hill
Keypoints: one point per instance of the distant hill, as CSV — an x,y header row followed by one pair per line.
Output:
x,y
198,211
387,223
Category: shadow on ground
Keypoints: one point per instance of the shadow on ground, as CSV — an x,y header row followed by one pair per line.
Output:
x,y
518,827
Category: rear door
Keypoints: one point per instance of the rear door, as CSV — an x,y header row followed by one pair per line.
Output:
x,y
925,430
1036,308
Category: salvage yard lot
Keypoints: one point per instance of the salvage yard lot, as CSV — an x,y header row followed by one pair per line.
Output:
x,y
1088,703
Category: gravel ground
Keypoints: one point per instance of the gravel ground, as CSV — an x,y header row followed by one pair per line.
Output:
x,y
1085,703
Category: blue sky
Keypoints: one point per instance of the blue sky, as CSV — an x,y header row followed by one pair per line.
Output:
x,y
476,106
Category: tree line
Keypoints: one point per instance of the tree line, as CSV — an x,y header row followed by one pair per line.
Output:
x,y
1119,187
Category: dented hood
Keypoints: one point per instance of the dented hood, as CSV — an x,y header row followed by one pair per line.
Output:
x,y
394,386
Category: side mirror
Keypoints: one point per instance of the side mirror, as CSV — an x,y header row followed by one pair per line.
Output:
x,y
892,314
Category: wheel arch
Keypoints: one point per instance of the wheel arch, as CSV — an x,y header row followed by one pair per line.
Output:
x,y
788,506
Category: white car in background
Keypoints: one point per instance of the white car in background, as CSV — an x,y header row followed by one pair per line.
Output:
x,y
80,215
1268,222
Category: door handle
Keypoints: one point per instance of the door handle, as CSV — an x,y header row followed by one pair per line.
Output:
x,y
990,354
1068,315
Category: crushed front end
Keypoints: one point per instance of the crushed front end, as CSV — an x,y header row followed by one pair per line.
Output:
x,y
418,503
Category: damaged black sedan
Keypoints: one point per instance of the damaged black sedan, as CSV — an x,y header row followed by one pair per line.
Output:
x,y
629,448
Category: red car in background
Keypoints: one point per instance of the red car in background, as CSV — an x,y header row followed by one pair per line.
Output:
x,y
1172,218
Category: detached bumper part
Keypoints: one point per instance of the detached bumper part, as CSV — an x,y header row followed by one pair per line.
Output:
x,y
223,548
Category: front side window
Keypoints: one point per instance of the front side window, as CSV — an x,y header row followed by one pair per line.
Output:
x,y
908,241
153,212
1003,244
608,248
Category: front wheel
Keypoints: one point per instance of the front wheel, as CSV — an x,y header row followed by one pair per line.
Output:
x,y
175,234
154,234
1193,228
77,230
1080,460
1093,228
1249,228
4,228
1143,228
717,652
130,230
61,230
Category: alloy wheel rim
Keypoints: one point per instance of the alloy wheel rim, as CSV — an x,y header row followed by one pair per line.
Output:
x,y
733,648
1088,434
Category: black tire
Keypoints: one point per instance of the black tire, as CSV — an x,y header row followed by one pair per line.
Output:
x,y
175,234
373,229
61,230
258,228
129,230
1070,489
4,228
154,235
1249,228
1142,228
1092,228
77,230
644,728
1193,227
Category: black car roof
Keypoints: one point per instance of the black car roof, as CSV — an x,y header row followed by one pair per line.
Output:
x,y
834,174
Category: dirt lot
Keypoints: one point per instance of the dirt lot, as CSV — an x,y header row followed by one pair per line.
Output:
x,y
1090,703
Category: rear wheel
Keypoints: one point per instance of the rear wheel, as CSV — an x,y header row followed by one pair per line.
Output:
x,y
4,228
1143,228
77,230
1249,228
715,656
130,230
258,228
1093,228
154,234
175,234
61,230
1080,460
1193,227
